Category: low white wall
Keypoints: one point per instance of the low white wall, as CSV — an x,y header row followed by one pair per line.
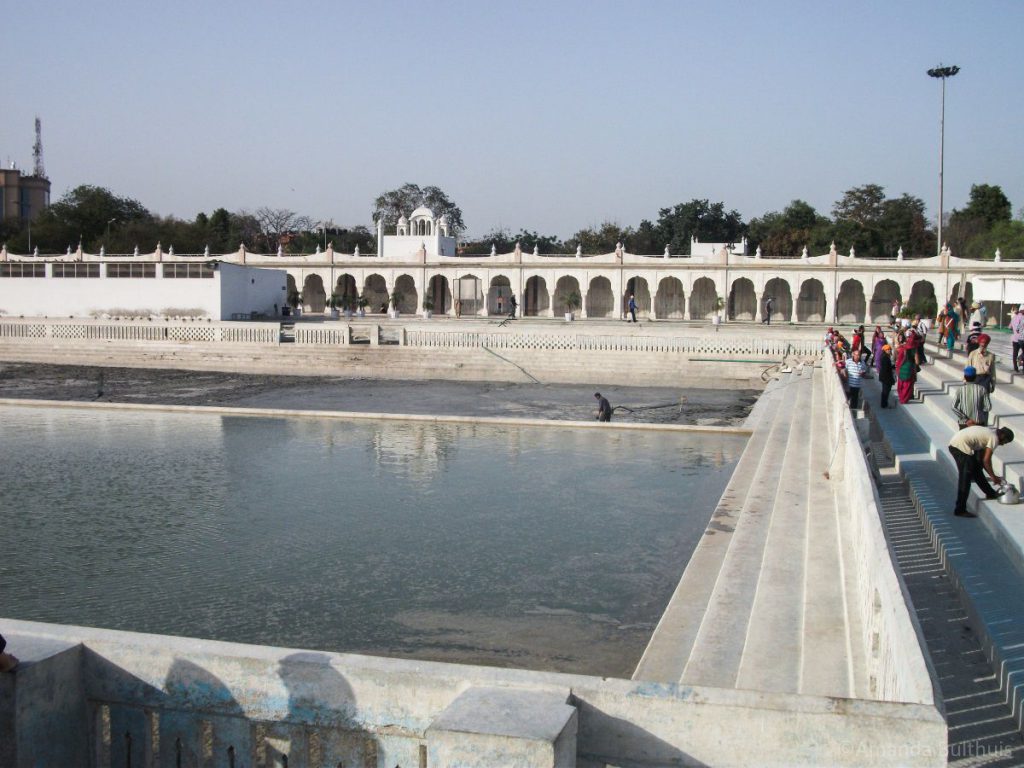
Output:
x,y
248,290
232,289
323,708
92,297
892,645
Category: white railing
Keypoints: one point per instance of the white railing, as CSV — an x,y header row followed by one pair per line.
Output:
x,y
140,331
700,345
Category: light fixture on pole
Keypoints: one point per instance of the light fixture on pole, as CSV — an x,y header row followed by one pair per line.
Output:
x,y
942,73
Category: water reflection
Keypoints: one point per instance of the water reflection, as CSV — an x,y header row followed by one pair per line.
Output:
x,y
543,547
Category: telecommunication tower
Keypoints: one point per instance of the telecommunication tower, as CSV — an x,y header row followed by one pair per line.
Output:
x,y
37,152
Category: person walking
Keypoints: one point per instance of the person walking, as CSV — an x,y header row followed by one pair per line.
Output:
x,y
768,311
894,310
512,306
855,370
972,450
984,362
971,403
951,328
631,306
886,374
604,408
1017,337
906,370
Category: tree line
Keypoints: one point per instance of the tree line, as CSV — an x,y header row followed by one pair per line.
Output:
x,y
863,219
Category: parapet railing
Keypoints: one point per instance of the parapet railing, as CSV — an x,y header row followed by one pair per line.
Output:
x,y
130,331
892,644
613,343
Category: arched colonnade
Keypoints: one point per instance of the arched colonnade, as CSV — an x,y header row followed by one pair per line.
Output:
x,y
826,295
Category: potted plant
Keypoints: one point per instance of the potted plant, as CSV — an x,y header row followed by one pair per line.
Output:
x,y
572,301
428,307
335,303
394,300
295,300
362,303
346,306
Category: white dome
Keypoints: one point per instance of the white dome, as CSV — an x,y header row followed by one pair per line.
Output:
x,y
444,220
402,219
422,212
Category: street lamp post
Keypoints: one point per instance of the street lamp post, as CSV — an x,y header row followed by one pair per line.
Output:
x,y
106,238
942,73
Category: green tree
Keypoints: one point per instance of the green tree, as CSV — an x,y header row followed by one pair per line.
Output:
x,y
394,203
988,203
786,234
84,214
602,239
902,224
708,222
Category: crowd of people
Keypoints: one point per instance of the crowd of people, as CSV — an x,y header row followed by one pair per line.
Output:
x,y
895,354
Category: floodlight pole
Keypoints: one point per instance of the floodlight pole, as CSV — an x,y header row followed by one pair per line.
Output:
x,y
942,73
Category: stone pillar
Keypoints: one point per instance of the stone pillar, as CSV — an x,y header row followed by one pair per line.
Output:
x,y
583,305
758,306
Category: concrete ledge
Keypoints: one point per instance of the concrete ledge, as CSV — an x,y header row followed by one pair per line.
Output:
x,y
363,416
497,726
384,707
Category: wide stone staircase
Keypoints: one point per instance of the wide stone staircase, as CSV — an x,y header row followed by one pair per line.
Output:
x,y
768,599
983,557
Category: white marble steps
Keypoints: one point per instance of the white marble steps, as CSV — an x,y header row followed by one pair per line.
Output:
x,y
754,603
668,650
988,580
718,646
934,418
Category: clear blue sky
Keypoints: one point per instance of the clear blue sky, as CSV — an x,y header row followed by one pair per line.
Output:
x,y
550,116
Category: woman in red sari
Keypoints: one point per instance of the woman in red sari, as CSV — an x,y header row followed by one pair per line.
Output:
x,y
906,369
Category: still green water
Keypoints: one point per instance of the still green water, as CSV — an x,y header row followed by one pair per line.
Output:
x,y
549,548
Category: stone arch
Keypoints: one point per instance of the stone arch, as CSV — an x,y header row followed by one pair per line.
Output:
x,y
922,298
742,299
968,293
469,295
638,287
314,297
566,284
410,300
375,291
290,285
850,303
782,299
703,297
438,291
670,300
498,295
346,287
811,305
881,301
535,297
600,299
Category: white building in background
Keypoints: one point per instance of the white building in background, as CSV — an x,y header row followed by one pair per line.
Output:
x,y
419,236
142,286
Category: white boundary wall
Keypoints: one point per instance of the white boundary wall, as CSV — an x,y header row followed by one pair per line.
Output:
x,y
892,642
